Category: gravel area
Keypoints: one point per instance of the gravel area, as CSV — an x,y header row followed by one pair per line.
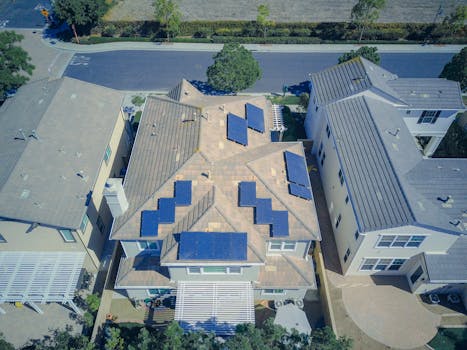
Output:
x,y
286,10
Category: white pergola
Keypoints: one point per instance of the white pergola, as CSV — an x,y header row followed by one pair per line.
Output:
x,y
214,306
39,277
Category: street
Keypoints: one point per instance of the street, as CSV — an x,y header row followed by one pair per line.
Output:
x,y
22,13
161,70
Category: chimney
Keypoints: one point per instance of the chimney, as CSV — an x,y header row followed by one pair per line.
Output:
x,y
115,197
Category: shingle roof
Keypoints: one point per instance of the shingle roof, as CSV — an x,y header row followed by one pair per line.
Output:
x,y
373,185
449,267
429,93
38,177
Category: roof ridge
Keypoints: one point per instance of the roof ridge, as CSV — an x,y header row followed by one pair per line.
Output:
x,y
169,100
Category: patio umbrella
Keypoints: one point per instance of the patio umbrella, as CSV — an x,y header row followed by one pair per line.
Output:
x,y
290,316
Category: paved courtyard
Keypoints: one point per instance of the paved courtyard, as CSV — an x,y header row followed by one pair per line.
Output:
x,y
285,10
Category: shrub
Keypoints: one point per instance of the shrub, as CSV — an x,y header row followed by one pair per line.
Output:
x,y
202,32
128,31
93,301
279,32
138,100
300,32
109,30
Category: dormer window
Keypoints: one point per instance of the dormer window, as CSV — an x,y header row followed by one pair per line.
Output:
x,y
428,117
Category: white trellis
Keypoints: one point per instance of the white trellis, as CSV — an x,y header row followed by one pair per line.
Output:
x,y
39,277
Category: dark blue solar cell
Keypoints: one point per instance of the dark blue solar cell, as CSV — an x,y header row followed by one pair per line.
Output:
x,y
149,223
280,223
254,117
237,129
166,208
182,193
213,246
247,194
296,169
263,211
300,191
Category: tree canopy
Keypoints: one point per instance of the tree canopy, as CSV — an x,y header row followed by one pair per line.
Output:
x,y
168,14
234,69
79,13
456,69
370,53
455,21
14,63
366,12
262,19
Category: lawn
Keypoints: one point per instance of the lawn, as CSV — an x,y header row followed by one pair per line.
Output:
x,y
294,124
450,339
285,100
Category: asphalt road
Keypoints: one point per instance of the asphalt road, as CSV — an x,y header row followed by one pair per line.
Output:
x,y
160,71
22,13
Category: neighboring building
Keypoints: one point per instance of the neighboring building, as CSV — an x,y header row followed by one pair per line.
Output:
x,y
394,211
59,142
211,216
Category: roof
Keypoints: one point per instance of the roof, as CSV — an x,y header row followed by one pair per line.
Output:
x,y
198,150
39,179
429,93
142,270
291,317
350,78
449,267
374,188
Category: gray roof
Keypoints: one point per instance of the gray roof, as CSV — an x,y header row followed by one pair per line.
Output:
x,y
38,177
350,78
449,267
428,93
374,188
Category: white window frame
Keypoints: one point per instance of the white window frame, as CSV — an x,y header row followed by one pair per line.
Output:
x,y
138,243
84,222
428,117
338,221
346,255
107,154
341,177
379,262
202,271
395,241
282,248
328,131
189,272
320,150
263,292
67,240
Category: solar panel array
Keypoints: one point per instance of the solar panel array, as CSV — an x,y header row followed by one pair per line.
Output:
x,y
254,117
237,129
297,175
165,213
264,215
213,246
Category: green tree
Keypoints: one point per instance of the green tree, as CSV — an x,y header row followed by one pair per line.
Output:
x,y
79,13
366,12
114,340
92,302
325,339
63,339
455,21
370,53
4,345
456,69
168,14
262,19
173,337
234,69
14,63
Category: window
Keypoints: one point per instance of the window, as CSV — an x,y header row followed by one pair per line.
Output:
x,y
84,223
273,292
158,291
386,264
316,109
407,112
108,153
67,236
328,131
100,224
400,241
323,158
148,245
416,275
320,149
194,270
214,270
235,270
2,239
347,199
282,246
356,234
346,256
341,177
338,220
428,117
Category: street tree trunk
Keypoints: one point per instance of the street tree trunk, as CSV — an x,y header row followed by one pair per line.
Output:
x,y
361,34
74,32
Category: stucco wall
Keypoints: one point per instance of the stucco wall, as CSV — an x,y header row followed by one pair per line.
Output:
x,y
132,249
288,294
439,128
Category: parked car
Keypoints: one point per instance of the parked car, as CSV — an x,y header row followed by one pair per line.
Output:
x,y
434,298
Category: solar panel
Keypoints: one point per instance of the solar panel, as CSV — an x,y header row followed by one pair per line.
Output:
x,y
237,130
280,223
254,117
296,169
182,193
149,223
300,191
263,211
166,208
213,246
247,194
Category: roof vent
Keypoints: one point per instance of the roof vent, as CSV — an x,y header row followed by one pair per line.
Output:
x,y
20,135
81,174
222,107
456,169
455,222
394,133
78,154
24,176
25,194
444,200
34,134
185,92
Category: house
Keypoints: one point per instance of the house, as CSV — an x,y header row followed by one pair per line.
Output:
x,y
394,210
218,214
59,142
